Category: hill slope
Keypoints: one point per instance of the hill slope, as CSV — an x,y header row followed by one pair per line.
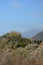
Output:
x,y
38,36
31,33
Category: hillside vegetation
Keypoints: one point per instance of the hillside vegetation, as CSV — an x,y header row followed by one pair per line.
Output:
x,y
16,50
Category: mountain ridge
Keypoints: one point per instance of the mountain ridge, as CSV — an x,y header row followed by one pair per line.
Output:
x,y
38,36
31,33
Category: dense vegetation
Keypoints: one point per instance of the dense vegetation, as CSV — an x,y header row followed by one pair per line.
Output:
x,y
15,40
16,50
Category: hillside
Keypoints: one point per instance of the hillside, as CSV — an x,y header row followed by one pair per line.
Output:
x,y
30,33
38,36
16,50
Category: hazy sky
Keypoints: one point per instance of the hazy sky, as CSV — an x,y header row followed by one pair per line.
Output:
x,y
20,15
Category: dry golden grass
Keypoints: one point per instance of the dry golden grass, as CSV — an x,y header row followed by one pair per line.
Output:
x,y
21,56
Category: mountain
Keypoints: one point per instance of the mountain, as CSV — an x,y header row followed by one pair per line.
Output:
x,y
38,36
31,33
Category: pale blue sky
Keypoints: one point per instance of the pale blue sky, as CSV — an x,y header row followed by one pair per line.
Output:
x,y
20,15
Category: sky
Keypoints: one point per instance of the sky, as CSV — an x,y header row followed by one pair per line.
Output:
x,y
20,15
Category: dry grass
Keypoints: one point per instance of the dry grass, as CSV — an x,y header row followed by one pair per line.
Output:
x,y
21,56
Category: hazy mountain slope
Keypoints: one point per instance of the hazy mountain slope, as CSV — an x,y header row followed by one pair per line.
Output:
x,y
31,33
38,36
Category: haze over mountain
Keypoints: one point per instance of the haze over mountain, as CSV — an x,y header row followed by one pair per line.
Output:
x,y
31,33
38,36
